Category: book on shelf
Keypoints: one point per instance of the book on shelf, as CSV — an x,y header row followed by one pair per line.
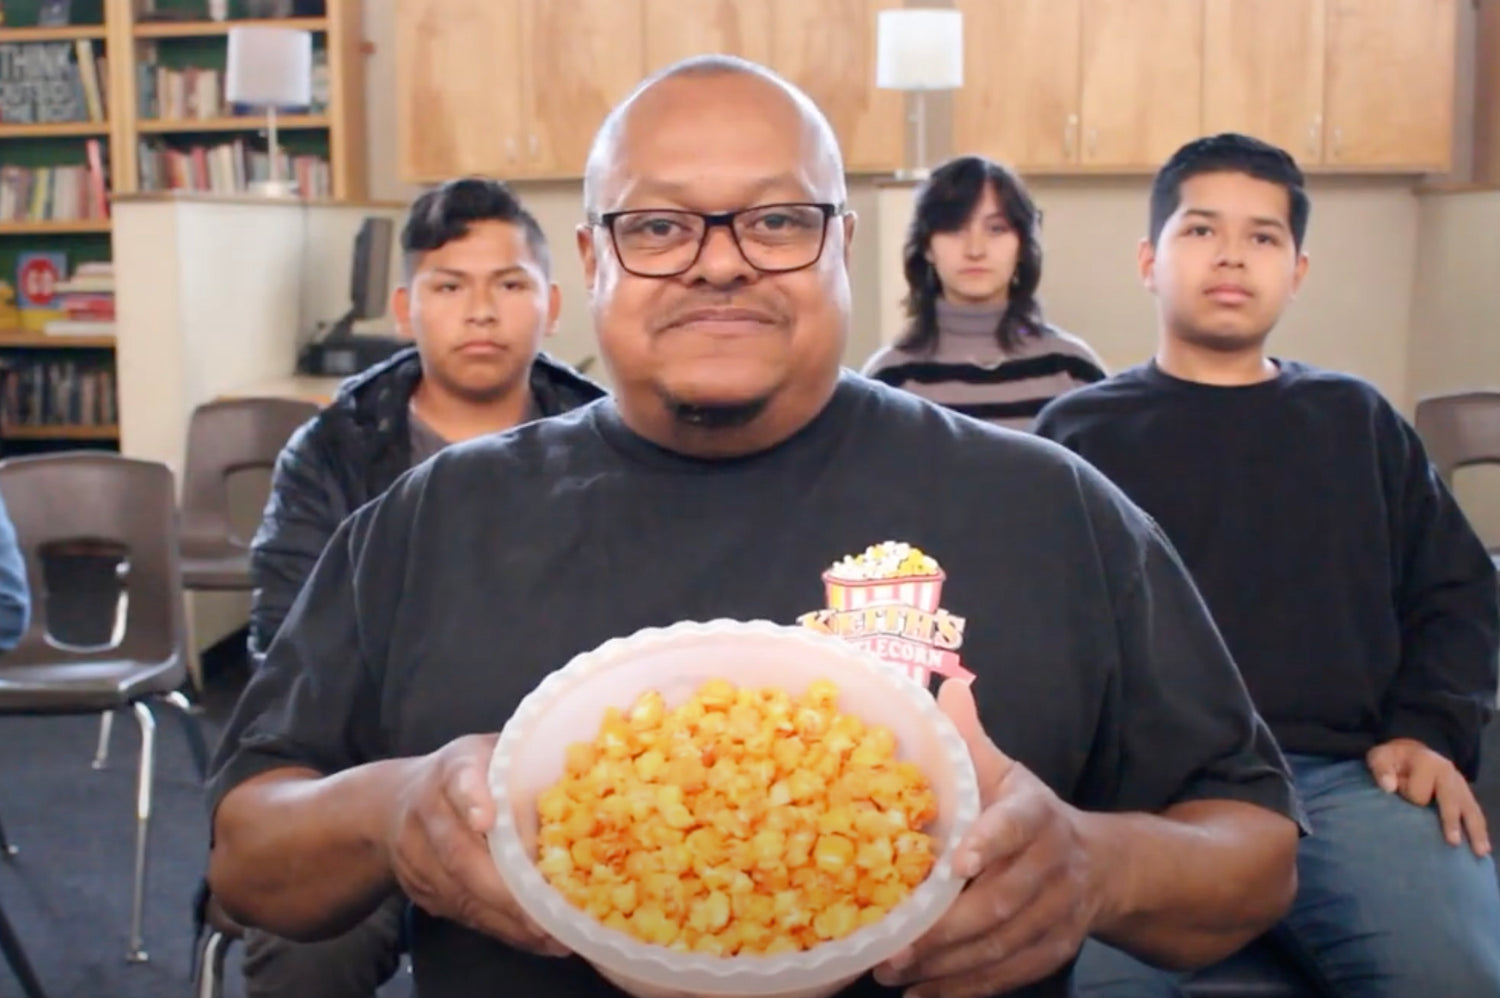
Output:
x,y
197,92
52,82
180,94
38,392
227,168
87,302
38,273
62,193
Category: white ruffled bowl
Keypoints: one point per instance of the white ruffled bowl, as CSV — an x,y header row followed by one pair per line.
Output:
x,y
568,706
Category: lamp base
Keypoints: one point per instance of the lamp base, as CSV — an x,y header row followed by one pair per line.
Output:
x,y
274,188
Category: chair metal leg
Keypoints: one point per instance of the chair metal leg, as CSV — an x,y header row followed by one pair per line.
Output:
x,y
211,965
192,729
137,951
106,724
6,848
10,944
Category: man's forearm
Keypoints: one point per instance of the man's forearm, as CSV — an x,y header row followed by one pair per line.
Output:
x,y
303,856
1189,887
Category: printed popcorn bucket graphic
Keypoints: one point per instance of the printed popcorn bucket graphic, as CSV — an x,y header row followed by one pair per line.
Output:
x,y
925,592
902,577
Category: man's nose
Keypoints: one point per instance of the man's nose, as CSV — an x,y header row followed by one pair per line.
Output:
x,y
720,261
481,307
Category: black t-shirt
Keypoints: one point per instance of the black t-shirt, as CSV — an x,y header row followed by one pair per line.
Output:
x,y
437,608
1356,599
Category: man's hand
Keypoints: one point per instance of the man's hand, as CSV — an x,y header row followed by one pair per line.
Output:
x,y
1416,772
1032,899
438,851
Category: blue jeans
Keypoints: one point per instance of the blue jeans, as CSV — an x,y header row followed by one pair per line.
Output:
x,y
1385,907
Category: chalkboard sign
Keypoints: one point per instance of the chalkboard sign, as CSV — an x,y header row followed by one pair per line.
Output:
x,y
39,83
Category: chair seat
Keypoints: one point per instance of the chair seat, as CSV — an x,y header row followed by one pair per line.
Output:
x,y
84,687
215,567
1260,970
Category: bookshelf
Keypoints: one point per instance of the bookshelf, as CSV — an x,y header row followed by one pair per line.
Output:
x,y
55,161
173,129
132,47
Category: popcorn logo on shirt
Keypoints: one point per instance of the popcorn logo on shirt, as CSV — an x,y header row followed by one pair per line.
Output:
x,y
887,601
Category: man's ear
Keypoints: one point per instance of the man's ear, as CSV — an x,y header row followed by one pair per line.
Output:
x,y
401,310
587,254
554,307
849,225
1145,259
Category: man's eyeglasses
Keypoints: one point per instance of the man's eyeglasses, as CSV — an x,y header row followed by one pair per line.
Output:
x,y
773,238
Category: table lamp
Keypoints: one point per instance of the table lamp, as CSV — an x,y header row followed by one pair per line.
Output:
x,y
919,50
270,68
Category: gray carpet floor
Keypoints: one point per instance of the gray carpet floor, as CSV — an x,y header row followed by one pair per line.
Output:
x,y
67,891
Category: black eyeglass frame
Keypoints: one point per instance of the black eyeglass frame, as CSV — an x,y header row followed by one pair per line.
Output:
x,y
713,219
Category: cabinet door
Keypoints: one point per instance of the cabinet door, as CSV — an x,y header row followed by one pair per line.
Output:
x,y
676,29
1142,80
1019,101
827,47
1263,72
458,92
580,59
1390,83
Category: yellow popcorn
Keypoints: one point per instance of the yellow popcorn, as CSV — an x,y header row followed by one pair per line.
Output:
x,y
886,560
745,821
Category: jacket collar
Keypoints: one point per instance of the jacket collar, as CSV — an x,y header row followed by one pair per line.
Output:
x,y
377,397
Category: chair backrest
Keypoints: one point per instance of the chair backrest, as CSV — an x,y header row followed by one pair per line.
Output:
x,y
103,498
1460,429
225,437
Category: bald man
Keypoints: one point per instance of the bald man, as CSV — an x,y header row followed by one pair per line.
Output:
x,y
1130,791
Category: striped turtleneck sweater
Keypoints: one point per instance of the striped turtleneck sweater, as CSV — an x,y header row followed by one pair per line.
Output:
x,y
969,373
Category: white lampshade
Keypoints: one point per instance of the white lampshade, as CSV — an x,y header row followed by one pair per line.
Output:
x,y
269,67
920,49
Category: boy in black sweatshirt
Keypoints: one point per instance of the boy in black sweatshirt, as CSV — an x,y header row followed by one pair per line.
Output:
x,y
1355,597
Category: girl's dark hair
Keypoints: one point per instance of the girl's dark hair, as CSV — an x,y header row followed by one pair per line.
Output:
x,y
944,203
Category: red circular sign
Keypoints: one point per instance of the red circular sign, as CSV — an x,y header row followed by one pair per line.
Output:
x,y
39,281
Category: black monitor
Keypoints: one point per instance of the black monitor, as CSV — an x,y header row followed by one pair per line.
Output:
x,y
339,351
369,276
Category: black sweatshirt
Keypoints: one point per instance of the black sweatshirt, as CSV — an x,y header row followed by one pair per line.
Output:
x,y
1355,597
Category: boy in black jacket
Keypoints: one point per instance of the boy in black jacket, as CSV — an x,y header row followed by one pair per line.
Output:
x,y
1353,594
477,298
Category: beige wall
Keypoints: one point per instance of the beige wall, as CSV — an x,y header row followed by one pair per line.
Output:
x,y
1453,344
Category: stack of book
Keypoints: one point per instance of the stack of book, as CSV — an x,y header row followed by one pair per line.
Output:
x,y
87,302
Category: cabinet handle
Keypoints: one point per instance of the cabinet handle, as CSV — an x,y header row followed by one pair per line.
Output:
x,y
532,140
1070,136
510,149
1338,142
1314,134
1093,142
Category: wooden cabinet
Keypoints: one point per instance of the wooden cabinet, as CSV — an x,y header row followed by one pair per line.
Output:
x,y
509,88
1353,84
1264,73
517,88
458,102
1390,82
1142,90
1067,84
827,47
1019,102
581,58
675,29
